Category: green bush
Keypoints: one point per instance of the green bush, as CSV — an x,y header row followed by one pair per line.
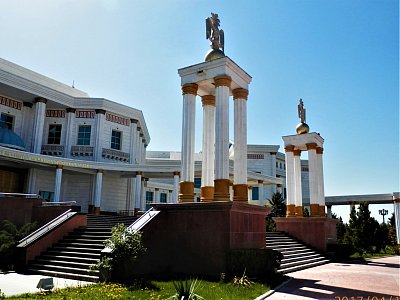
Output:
x,y
341,251
260,264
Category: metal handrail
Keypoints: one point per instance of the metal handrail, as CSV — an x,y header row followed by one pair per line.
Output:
x,y
58,203
19,195
46,228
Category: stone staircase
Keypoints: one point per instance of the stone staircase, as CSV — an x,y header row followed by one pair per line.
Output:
x,y
296,255
72,256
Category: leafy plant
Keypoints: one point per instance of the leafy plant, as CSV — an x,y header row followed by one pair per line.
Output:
x,y
242,281
186,290
278,205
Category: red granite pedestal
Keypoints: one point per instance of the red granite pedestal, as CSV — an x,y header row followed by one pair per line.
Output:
x,y
193,238
318,232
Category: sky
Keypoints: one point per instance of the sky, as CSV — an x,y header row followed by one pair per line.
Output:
x,y
341,57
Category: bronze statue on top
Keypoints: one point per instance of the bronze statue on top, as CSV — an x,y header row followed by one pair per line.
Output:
x,y
302,127
216,37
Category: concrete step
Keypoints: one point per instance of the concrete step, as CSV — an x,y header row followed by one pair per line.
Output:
x,y
78,244
297,257
302,267
76,249
95,255
64,263
70,258
63,269
81,277
301,261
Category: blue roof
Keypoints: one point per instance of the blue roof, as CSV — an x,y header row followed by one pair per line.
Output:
x,y
10,139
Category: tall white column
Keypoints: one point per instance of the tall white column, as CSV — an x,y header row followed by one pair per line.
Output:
x,y
130,199
26,124
156,195
298,198
69,128
313,179
132,144
97,191
40,114
321,189
273,170
99,128
144,151
222,182
207,171
137,145
138,190
176,188
261,192
186,192
250,193
290,202
57,188
141,148
143,195
396,206
240,144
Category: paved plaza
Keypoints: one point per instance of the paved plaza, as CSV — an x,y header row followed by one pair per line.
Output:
x,y
377,278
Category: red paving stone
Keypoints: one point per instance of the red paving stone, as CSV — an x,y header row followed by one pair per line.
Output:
x,y
375,279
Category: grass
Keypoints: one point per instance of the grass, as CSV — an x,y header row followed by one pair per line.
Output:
x,y
155,290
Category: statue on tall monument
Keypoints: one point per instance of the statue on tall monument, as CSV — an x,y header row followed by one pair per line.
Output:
x,y
216,37
302,127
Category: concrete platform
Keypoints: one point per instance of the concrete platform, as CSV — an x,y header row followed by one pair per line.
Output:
x,y
378,277
15,284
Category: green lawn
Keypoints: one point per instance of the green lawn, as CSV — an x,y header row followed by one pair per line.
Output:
x,y
154,291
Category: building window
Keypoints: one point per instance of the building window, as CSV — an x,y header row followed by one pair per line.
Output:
x,y
84,132
149,199
163,198
116,140
47,196
254,193
277,165
54,137
7,121
197,183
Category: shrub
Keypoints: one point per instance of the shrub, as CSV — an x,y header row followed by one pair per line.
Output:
x,y
260,264
341,251
186,290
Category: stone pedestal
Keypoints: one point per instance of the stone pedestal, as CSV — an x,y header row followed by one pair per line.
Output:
x,y
193,238
316,232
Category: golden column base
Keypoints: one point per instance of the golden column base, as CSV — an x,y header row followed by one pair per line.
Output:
x,y
240,192
186,191
96,211
221,189
314,210
299,211
207,193
290,211
322,210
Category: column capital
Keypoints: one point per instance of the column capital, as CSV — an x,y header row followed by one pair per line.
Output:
x,y
279,185
71,110
311,146
134,121
40,100
60,167
222,80
176,173
260,181
320,150
289,148
208,100
99,171
250,187
100,111
190,88
296,152
143,141
240,94
141,135
396,200
139,128
138,173
272,153
28,104
156,189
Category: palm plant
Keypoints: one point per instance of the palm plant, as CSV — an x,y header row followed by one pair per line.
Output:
x,y
278,205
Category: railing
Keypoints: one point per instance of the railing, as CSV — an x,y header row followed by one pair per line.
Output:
x,y
45,228
19,195
137,225
82,151
54,150
58,203
115,155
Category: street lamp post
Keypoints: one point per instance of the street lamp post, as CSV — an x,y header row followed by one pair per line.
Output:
x,y
383,213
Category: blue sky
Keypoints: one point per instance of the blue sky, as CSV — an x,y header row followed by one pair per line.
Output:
x,y
341,57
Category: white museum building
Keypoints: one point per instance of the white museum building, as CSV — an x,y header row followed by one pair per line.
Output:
x,y
58,142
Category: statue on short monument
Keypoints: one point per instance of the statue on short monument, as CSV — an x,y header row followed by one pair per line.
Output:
x,y
216,37
302,127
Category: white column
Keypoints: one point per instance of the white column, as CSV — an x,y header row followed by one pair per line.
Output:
x,y
132,145
144,151
240,135
313,179
321,189
290,203
222,90
99,128
189,92
69,128
138,190
329,211
141,148
57,188
250,193
130,199
298,198
207,171
143,195
156,195
396,206
26,123
31,189
40,114
176,188
97,191
273,170
137,145
260,192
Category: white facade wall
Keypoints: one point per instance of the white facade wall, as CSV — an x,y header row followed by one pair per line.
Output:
x,y
114,193
82,191
45,181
